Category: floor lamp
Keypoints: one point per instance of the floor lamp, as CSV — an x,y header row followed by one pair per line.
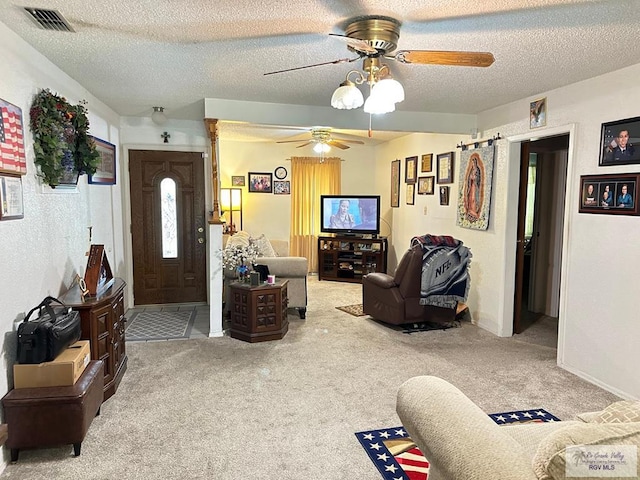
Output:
x,y
231,201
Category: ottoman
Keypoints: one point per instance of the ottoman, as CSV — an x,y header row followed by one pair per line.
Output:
x,y
51,416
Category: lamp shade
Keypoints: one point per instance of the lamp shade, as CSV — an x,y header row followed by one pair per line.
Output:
x,y
347,96
158,117
389,89
321,147
377,104
230,199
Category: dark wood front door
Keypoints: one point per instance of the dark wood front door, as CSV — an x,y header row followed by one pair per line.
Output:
x,y
168,227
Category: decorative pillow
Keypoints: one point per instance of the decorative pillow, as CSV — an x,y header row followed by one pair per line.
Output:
x,y
264,246
620,412
239,238
549,462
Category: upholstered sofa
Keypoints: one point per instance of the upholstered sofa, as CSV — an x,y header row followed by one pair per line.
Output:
x,y
275,255
463,442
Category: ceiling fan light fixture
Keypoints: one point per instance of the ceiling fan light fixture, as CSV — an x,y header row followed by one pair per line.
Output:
x,y
389,89
321,148
347,96
377,104
158,116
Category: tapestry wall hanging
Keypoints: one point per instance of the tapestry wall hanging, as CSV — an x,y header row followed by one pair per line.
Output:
x,y
474,197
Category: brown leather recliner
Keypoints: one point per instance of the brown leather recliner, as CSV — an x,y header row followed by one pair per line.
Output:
x,y
396,299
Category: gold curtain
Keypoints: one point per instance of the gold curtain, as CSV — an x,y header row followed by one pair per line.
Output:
x,y
310,178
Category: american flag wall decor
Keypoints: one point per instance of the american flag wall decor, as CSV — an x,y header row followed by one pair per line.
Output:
x,y
12,154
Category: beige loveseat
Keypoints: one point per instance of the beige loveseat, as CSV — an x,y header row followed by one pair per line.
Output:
x,y
275,255
463,443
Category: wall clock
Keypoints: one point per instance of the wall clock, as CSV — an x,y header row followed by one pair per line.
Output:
x,y
281,173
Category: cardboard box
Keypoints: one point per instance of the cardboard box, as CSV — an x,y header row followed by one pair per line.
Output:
x,y
63,371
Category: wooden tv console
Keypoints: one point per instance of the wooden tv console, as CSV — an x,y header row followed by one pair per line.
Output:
x,y
348,259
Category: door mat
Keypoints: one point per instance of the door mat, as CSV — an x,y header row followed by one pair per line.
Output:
x,y
355,310
397,457
160,325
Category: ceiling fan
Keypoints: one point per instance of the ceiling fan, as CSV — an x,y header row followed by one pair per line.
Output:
x,y
322,136
374,36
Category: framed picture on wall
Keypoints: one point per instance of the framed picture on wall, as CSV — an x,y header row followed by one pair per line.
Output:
x,y
425,185
426,163
620,142
411,167
281,187
106,172
260,182
12,153
445,167
395,184
411,193
609,194
444,195
237,180
11,203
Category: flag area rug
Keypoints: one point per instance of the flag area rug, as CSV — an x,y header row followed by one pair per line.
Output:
x,y
397,457
355,310
160,325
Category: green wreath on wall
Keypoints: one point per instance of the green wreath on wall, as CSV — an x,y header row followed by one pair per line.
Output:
x,y
61,140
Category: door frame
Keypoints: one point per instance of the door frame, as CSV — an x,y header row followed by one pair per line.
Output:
x,y
126,202
511,224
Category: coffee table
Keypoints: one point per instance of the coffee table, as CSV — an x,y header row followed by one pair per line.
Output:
x,y
259,314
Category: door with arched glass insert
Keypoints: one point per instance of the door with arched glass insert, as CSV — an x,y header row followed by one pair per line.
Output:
x,y
168,227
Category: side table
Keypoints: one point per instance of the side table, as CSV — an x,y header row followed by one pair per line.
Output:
x,y
259,313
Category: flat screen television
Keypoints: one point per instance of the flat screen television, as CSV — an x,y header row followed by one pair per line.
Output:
x,y
350,214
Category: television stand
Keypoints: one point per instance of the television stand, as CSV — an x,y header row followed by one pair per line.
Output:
x,y
347,259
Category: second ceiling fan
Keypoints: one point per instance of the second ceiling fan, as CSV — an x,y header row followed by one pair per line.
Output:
x,y
323,136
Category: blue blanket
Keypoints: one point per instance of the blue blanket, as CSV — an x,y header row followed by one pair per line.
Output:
x,y
445,270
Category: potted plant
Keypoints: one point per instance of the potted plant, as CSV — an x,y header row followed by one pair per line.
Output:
x,y
61,140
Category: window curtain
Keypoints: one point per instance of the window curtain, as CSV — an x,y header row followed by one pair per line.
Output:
x,y
310,178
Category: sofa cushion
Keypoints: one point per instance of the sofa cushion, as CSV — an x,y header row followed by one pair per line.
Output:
x,y
264,246
620,412
549,462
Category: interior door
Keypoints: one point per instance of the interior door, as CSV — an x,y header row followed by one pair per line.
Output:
x,y
168,227
521,244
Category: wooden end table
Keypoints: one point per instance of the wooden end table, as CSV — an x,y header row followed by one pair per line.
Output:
x,y
259,314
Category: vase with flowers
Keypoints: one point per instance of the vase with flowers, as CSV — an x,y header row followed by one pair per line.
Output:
x,y
239,258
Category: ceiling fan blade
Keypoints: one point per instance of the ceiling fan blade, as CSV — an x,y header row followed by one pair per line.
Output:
x,y
344,140
335,62
356,44
304,144
335,143
290,141
436,57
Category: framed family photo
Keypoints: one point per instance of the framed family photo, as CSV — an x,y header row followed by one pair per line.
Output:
x,y
282,187
260,182
620,142
609,194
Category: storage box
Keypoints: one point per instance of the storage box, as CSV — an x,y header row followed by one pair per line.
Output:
x,y
63,371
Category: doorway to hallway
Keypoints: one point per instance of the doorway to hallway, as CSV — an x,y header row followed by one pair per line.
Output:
x,y
543,176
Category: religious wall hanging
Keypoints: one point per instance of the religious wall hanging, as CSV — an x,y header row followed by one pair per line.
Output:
x,y
474,187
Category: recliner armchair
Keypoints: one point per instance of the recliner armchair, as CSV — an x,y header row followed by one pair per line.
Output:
x,y
396,299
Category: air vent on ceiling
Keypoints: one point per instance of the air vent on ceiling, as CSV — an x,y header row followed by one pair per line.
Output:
x,y
49,19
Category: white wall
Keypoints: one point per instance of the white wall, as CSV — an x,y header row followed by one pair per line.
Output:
x,y
598,324
42,252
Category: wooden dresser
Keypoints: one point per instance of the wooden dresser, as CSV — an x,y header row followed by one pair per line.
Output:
x,y
103,324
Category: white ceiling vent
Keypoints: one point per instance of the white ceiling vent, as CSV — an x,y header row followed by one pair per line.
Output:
x,y
49,19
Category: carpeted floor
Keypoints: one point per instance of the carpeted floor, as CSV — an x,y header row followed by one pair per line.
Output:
x,y
159,325
219,408
394,453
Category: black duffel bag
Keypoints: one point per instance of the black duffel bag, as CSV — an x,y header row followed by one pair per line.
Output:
x,y
42,339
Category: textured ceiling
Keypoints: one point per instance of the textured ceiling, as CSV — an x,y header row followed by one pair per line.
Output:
x,y
134,55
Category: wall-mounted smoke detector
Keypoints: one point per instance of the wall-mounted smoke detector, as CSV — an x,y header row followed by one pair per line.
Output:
x,y
49,19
